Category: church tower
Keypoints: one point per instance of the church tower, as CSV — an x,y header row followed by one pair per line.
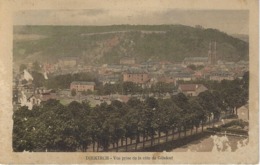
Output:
x,y
212,53
209,54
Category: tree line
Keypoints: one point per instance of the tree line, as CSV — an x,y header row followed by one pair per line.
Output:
x,y
77,126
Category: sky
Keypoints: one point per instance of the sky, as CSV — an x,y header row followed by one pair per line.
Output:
x,y
228,21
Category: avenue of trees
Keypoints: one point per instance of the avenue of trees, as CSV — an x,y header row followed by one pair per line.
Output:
x,y
77,126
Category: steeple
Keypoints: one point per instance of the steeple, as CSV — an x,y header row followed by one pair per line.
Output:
x,y
212,53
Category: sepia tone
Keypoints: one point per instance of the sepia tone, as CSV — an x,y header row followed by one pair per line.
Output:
x,y
158,84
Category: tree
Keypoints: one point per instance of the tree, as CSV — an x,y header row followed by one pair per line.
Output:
x,y
164,117
80,116
22,67
36,66
136,117
24,81
73,92
199,114
235,97
209,104
132,120
192,67
38,79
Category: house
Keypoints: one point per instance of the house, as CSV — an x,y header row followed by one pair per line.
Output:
x,y
167,79
49,68
135,76
46,95
123,98
67,62
183,76
195,61
40,96
109,79
81,86
192,89
34,100
127,61
221,75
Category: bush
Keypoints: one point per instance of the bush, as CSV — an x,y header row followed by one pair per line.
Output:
x,y
230,116
240,123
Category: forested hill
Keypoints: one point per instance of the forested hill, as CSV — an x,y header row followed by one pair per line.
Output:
x,y
107,44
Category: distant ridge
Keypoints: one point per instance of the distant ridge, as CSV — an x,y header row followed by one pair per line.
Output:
x,y
108,44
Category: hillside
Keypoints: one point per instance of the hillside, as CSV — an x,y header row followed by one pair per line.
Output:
x,y
107,44
242,37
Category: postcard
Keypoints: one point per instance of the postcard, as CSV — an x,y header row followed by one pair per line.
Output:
x,y
129,82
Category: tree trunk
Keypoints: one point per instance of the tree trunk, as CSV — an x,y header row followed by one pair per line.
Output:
x,y
202,126
166,136
117,146
185,131
113,145
94,146
191,131
122,141
143,140
236,110
136,143
97,146
126,144
152,140
179,132
173,134
131,140
159,137
196,129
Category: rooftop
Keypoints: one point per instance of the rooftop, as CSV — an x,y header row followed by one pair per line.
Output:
x,y
189,87
135,71
83,83
196,59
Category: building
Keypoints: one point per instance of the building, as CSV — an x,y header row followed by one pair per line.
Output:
x,y
192,89
34,100
67,62
212,53
221,75
195,61
46,95
135,76
185,76
127,61
167,79
81,86
110,79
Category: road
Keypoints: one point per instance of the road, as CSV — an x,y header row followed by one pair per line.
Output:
x,y
157,140
242,114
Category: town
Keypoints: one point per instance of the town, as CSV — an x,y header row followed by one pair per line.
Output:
x,y
154,104
68,79
128,88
